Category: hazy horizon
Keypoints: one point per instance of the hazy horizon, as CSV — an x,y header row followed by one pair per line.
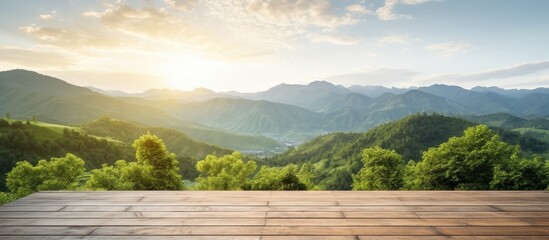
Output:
x,y
250,46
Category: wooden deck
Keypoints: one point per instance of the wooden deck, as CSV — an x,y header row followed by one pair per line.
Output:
x,y
277,215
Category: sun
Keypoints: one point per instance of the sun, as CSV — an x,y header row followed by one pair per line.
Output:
x,y
187,72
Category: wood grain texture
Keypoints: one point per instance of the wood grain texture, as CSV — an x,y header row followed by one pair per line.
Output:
x,y
275,215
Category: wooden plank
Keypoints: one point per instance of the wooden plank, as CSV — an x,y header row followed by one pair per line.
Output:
x,y
29,208
264,231
131,222
489,215
131,237
45,231
497,231
123,215
314,215
404,222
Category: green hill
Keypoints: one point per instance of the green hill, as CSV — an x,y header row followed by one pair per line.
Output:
x,y
97,142
175,141
24,94
336,156
34,141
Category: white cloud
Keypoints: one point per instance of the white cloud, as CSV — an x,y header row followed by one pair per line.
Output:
x,y
493,74
46,16
449,49
387,11
395,39
334,39
182,5
69,39
358,9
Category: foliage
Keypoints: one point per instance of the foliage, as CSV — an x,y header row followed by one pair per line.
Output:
x,y
121,176
520,174
224,173
306,175
465,162
6,197
55,174
34,142
337,156
382,170
273,178
155,169
151,151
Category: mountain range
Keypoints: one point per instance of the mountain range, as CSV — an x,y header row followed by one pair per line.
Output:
x,y
286,113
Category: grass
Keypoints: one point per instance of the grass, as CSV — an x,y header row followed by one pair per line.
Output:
x,y
43,130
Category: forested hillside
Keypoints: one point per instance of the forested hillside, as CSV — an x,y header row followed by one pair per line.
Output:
x,y
29,141
336,156
102,141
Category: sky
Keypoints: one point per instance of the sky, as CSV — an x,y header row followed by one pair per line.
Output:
x,y
251,45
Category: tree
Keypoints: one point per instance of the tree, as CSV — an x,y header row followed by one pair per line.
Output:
x,y
273,178
520,174
55,174
151,151
225,173
465,162
382,170
121,176
306,175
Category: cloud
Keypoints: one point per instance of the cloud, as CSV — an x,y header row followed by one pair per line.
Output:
x,y
34,58
68,39
46,16
493,74
334,39
357,9
228,30
301,13
147,22
449,49
395,39
387,11
387,76
182,5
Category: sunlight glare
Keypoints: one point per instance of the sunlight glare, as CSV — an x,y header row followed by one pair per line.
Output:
x,y
189,72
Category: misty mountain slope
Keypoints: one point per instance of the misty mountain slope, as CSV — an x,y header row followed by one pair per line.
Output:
x,y
250,117
60,102
354,101
414,101
516,93
473,101
313,96
27,81
376,91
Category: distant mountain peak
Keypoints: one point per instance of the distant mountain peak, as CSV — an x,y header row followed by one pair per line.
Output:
x,y
202,91
321,83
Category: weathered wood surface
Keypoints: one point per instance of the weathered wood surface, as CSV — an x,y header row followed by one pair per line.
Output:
x,y
277,215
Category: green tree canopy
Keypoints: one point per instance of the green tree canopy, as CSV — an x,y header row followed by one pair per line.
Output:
x,y
382,170
465,162
121,176
151,151
520,174
155,169
225,173
55,174
281,178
